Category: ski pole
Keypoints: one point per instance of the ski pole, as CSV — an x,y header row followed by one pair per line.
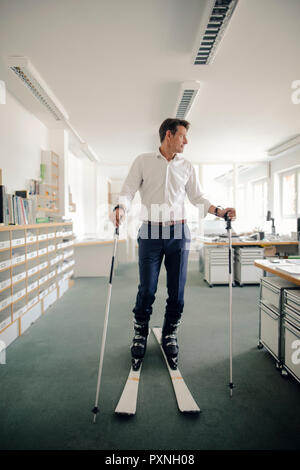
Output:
x,y
95,410
228,228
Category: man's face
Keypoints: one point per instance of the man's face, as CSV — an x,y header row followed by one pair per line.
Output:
x,y
178,140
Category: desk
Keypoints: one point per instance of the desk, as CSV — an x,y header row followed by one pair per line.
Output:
x,y
290,247
93,256
216,271
272,268
261,243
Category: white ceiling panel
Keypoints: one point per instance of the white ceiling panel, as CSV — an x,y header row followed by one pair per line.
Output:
x,y
117,69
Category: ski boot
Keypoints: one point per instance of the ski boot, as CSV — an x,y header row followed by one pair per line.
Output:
x,y
139,344
169,342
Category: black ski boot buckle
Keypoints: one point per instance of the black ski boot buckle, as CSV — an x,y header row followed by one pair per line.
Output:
x,y
136,364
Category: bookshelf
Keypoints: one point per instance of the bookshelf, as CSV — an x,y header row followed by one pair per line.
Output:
x,y
36,267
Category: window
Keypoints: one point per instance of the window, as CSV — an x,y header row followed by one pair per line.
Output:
x,y
217,183
74,166
260,197
290,188
251,199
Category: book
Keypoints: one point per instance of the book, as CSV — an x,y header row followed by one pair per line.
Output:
x,y
42,172
22,193
23,213
42,220
2,204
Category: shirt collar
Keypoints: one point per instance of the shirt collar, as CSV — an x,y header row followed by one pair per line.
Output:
x,y
159,154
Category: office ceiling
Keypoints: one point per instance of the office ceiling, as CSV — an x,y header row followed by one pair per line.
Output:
x,y
117,68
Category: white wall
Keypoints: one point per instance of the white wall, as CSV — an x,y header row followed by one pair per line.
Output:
x,y
102,201
74,181
22,137
88,182
287,161
89,178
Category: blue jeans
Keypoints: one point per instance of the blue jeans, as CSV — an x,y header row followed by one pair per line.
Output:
x,y
155,243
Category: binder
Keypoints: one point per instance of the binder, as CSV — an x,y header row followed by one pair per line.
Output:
x,y
2,204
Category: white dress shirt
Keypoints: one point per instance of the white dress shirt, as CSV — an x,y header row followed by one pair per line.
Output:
x,y
162,185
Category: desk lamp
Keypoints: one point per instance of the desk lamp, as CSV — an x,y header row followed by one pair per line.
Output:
x,y
271,218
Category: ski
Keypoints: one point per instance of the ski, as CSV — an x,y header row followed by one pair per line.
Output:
x,y
128,400
185,401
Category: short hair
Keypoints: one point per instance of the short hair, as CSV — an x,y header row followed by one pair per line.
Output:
x,y
170,124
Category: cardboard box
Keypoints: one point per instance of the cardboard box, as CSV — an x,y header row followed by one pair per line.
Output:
x,y
269,250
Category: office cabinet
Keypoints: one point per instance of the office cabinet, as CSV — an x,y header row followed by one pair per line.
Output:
x,y
216,265
271,316
36,263
244,270
270,328
291,333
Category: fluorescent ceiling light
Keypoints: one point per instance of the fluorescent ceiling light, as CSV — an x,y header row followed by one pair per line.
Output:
x,y
214,24
83,146
25,71
75,133
284,146
89,152
188,93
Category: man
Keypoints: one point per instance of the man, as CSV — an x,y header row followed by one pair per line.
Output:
x,y
163,179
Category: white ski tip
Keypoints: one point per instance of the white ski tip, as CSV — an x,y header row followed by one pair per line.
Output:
x,y
124,413
185,400
128,400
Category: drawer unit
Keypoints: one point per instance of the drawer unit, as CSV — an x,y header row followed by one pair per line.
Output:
x,y
50,298
291,332
270,329
5,317
292,300
273,295
29,279
9,334
271,289
30,317
244,270
216,265
291,348
246,273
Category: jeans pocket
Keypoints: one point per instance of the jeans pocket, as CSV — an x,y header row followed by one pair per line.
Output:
x,y
186,232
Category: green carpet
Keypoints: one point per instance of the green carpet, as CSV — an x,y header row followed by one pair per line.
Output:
x,y
48,385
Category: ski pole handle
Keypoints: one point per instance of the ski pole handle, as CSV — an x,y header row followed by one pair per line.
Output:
x,y
228,221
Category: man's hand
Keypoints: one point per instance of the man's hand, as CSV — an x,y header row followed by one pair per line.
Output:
x,y
118,216
229,210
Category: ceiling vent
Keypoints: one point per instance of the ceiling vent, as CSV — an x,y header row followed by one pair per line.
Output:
x,y
215,22
25,71
187,96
